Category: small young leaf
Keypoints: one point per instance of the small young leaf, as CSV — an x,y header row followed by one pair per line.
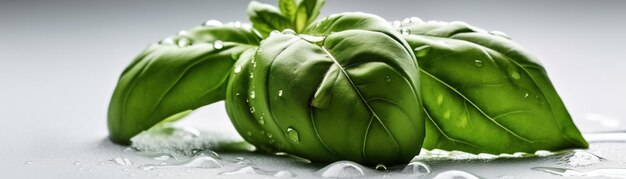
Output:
x,y
265,18
307,11
288,8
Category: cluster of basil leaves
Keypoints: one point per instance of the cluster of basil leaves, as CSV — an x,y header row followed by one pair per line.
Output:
x,y
348,86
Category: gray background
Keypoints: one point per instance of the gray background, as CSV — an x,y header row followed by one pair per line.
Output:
x,y
60,60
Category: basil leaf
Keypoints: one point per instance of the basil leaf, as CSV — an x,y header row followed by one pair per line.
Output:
x,y
178,74
301,12
484,94
265,18
331,94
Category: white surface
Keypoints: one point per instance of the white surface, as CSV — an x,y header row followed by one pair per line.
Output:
x,y
59,62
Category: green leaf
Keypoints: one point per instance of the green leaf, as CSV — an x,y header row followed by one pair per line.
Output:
x,y
301,12
178,74
331,94
483,93
266,18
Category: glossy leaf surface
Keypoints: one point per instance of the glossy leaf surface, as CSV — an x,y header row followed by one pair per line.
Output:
x,y
483,93
345,90
178,74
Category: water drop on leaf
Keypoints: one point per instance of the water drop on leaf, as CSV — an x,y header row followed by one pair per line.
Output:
x,y
292,134
218,44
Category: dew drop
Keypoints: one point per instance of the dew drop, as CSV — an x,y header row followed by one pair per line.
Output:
x,y
421,51
284,174
183,42
101,163
388,78
478,63
218,44
342,169
381,167
405,31
212,23
182,33
164,157
289,32
456,174
28,162
261,121
122,161
237,69
416,168
416,20
274,32
252,95
251,75
237,24
76,163
440,99
515,75
396,23
280,92
293,135
167,41
526,95
241,171
236,94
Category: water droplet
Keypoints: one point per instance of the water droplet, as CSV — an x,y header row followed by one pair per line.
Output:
x,y
416,20
289,32
440,99
416,168
261,121
579,158
167,41
252,94
252,110
388,78
526,94
456,174
164,157
381,167
447,114
269,135
421,51
243,161
342,169
207,153
515,75
274,32
478,63
80,168
251,75
218,44
122,161
237,69
284,174
543,153
237,24
501,34
76,163
396,23
204,162
292,134
183,42
405,31
212,23
125,169
241,171
101,163
28,162
280,92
